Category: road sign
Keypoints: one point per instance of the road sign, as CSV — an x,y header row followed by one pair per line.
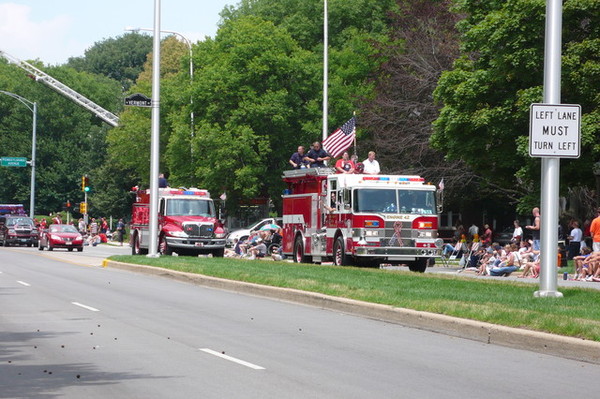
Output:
x,y
13,161
555,130
138,100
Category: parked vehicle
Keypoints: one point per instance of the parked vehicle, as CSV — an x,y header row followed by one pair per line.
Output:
x,y
61,236
243,234
18,230
187,223
505,236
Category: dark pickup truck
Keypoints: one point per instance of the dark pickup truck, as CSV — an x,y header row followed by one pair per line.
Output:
x,y
18,230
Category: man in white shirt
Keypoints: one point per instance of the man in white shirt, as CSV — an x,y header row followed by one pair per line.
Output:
x,y
371,165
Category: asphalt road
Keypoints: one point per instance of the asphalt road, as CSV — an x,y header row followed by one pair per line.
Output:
x,y
74,331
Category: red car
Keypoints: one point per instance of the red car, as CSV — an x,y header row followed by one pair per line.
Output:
x,y
61,236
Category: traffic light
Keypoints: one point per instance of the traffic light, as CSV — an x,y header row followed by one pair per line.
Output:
x,y
83,208
85,183
67,206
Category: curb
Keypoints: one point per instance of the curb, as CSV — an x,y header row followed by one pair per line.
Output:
x,y
540,342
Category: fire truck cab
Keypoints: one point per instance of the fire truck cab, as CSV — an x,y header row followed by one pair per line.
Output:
x,y
187,223
359,219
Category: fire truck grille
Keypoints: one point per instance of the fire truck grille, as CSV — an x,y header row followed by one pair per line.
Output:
x,y
199,230
390,239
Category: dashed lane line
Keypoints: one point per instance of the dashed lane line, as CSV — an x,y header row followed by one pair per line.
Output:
x,y
232,359
85,306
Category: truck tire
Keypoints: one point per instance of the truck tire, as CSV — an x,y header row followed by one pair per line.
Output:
x,y
299,256
163,247
418,265
135,246
218,253
339,253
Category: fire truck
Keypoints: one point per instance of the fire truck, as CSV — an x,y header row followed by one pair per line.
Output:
x,y
187,223
360,219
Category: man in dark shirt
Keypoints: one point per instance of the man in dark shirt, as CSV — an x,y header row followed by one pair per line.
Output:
x,y
297,159
317,156
162,182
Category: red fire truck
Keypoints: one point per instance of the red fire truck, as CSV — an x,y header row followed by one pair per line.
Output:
x,y
187,223
358,218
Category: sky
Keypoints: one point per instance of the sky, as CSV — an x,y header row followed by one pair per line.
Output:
x,y
54,30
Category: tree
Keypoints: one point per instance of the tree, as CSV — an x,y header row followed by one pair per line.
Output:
x,y
70,140
486,97
252,95
423,44
120,58
129,143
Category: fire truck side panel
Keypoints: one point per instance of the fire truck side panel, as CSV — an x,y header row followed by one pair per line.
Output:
x,y
299,215
139,222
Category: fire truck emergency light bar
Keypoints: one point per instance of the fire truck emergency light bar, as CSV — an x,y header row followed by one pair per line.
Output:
x,y
189,192
399,179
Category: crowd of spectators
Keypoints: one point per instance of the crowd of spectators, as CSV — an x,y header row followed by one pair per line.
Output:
x,y
259,244
480,254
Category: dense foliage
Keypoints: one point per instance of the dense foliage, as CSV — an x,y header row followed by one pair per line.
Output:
x,y
440,87
486,96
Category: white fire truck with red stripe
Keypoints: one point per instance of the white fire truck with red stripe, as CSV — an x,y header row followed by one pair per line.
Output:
x,y
359,219
187,223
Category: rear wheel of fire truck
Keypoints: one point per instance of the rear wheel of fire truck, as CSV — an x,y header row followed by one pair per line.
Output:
x,y
299,256
339,253
163,247
418,265
218,253
135,245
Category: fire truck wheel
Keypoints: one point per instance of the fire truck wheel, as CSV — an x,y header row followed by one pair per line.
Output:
x,y
135,246
339,253
299,256
163,247
418,265
218,253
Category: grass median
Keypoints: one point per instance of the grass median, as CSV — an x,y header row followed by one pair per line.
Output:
x,y
496,301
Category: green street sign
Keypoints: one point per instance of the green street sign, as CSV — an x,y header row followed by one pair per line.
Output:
x,y
13,161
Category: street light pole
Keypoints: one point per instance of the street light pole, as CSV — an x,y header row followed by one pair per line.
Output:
x,y
32,106
155,136
325,68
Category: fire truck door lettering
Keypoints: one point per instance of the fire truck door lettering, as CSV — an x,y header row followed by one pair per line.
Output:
x,y
293,219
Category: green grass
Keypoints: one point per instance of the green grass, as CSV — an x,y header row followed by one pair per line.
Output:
x,y
506,303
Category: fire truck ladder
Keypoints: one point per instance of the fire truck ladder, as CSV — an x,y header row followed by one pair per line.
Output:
x,y
63,89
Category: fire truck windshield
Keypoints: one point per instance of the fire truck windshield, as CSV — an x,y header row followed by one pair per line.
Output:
x,y
190,207
394,201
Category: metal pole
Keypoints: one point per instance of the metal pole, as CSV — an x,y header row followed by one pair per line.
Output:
x,y
33,147
155,136
325,67
550,166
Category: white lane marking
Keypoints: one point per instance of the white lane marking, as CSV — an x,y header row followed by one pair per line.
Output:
x,y
24,283
232,359
85,306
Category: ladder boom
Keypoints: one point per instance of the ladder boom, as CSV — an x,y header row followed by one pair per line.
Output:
x,y
63,89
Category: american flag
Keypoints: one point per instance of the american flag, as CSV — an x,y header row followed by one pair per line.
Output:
x,y
341,139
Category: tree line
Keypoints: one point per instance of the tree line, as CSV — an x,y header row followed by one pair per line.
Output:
x,y
440,88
